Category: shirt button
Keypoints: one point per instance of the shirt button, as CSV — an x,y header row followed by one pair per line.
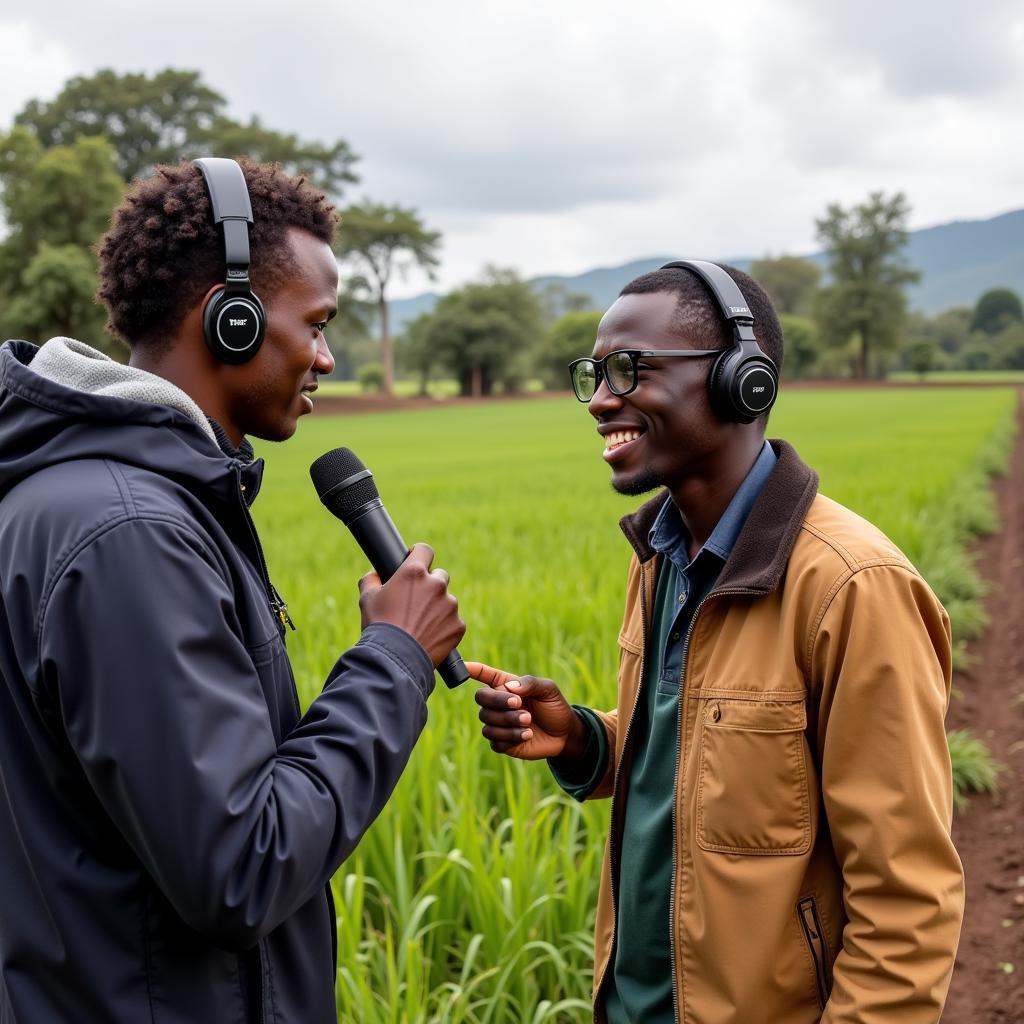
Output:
x,y
675,636
716,713
682,597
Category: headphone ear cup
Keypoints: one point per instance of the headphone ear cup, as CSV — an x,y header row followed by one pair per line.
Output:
x,y
718,385
213,304
739,383
234,326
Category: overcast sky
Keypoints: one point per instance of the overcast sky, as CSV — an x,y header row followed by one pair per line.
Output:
x,y
559,136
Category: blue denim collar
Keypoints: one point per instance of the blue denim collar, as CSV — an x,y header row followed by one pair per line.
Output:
x,y
669,537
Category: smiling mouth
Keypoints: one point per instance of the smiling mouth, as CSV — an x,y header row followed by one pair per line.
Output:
x,y
617,444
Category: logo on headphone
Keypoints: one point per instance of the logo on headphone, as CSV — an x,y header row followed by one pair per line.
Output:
x,y
237,323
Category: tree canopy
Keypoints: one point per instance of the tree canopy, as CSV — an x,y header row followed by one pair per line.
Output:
x,y
789,281
996,309
63,169
568,338
56,202
865,299
375,240
171,115
485,333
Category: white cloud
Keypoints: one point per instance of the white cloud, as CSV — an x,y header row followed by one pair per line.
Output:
x,y
32,66
560,136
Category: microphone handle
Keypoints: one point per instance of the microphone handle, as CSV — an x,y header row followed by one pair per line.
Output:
x,y
377,535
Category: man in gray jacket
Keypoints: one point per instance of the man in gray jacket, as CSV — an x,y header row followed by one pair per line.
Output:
x,y
169,822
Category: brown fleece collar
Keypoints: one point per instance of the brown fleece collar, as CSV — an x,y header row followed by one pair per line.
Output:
x,y
762,549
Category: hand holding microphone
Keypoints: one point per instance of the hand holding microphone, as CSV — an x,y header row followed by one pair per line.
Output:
x,y
412,597
416,600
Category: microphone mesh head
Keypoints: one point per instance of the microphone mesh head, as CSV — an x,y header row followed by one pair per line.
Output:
x,y
332,469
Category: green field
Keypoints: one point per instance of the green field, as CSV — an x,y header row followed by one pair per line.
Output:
x,y
471,898
960,377
403,388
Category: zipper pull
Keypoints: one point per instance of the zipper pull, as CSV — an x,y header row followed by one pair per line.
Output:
x,y
282,609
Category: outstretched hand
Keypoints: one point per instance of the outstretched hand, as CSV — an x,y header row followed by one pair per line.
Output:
x,y
525,716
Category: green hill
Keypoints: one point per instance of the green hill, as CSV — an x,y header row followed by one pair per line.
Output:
x,y
958,261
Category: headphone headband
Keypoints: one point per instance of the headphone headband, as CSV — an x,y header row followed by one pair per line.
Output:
x,y
234,321
726,292
744,381
231,208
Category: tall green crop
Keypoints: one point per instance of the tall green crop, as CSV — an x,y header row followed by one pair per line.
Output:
x,y
471,899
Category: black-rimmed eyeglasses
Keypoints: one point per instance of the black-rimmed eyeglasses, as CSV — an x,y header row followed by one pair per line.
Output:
x,y
619,369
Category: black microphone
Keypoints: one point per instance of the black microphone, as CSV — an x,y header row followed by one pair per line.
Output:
x,y
347,489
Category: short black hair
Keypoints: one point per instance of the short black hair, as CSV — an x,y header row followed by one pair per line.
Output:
x,y
699,315
163,251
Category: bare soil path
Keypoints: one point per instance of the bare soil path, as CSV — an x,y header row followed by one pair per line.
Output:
x,y
990,833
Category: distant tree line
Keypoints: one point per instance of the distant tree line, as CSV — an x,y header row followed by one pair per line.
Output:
x,y
497,334
65,164
857,325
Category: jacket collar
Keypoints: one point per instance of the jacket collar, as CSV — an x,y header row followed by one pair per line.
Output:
x,y
762,549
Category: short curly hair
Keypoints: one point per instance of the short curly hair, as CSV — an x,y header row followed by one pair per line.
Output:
x,y
698,314
163,251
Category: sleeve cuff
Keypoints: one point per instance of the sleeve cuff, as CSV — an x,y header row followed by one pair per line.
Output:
x,y
403,649
579,777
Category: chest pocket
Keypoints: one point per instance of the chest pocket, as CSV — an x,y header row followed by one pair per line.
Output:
x,y
753,793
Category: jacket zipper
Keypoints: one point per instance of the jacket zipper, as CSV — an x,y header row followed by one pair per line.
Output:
x,y
256,957
277,605
814,935
680,750
613,865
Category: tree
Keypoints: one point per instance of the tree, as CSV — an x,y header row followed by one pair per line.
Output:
x,y
329,168
486,332
557,299
1011,346
376,239
789,281
951,328
170,115
416,352
801,345
55,204
997,308
922,357
567,338
865,300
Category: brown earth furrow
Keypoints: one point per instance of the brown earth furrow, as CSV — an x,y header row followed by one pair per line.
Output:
x,y
990,833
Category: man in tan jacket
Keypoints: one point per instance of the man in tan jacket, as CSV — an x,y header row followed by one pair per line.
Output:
x,y
780,781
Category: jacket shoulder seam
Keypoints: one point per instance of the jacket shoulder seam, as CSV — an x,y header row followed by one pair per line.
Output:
x,y
841,581
123,487
66,560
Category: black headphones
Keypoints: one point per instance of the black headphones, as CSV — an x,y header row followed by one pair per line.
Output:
x,y
744,382
234,320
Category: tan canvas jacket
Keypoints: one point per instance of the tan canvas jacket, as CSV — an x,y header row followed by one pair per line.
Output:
x,y
814,876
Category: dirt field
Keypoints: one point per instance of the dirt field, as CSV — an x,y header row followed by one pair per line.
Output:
x,y
990,833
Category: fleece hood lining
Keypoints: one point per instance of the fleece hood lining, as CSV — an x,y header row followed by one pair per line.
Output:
x,y
75,365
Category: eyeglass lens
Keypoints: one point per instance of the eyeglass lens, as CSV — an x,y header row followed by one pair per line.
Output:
x,y
618,372
584,379
618,368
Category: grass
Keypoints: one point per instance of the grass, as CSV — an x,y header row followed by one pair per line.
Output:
x,y
974,768
440,388
959,377
471,899
403,388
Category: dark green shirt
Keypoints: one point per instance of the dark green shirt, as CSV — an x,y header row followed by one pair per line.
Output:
x,y
638,989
